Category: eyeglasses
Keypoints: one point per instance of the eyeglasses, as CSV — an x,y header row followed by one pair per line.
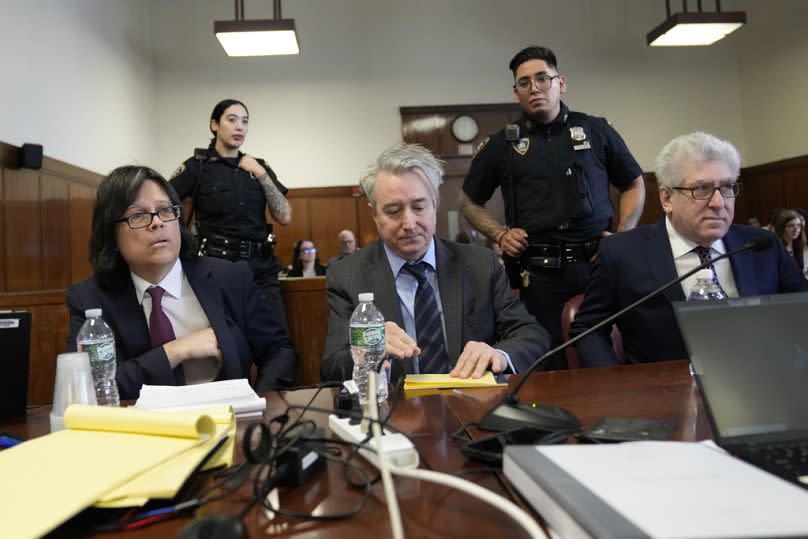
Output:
x,y
308,250
706,192
144,219
544,82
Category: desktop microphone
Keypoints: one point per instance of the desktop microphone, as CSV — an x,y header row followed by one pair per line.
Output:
x,y
510,413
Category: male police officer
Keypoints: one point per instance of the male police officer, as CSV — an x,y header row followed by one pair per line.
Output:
x,y
554,167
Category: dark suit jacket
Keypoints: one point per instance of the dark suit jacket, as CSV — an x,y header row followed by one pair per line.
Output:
x,y
633,263
247,331
477,306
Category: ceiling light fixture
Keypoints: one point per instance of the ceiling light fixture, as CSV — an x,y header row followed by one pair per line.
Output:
x,y
695,27
267,37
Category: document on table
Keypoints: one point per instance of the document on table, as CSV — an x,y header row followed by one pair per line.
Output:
x,y
101,451
444,381
236,393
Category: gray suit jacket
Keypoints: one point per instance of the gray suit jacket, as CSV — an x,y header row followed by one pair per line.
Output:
x,y
477,306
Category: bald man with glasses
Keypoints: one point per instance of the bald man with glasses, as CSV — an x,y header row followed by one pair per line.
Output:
x,y
697,175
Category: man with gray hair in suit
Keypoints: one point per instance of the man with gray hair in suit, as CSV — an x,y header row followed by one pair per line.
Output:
x,y
447,306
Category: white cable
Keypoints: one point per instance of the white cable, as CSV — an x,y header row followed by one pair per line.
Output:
x,y
387,479
514,511
506,506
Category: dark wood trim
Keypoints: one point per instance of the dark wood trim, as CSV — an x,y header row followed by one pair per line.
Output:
x,y
800,161
437,109
335,191
51,166
43,297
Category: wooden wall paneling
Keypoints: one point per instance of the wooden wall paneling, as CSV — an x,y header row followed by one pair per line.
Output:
x,y
82,200
300,227
796,188
366,226
23,237
55,211
330,214
49,325
306,308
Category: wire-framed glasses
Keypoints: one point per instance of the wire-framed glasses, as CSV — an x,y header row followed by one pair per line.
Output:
x,y
706,191
144,219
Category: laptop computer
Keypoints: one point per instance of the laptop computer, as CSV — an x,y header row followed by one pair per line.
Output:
x,y
15,346
750,359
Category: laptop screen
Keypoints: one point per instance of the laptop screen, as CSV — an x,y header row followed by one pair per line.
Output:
x,y
751,358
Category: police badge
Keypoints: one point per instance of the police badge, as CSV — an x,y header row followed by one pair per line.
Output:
x,y
577,134
522,146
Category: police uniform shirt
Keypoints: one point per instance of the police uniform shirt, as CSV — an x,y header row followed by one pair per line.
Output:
x,y
567,163
229,201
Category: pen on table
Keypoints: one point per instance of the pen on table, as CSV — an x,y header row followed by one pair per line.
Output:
x,y
465,395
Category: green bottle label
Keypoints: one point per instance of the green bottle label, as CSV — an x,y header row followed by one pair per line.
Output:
x,y
102,352
367,336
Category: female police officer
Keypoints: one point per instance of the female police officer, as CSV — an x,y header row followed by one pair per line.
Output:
x,y
229,191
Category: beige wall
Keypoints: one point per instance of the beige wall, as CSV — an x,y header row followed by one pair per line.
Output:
x,y
101,83
773,66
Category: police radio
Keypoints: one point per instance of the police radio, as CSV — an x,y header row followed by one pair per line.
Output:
x,y
512,132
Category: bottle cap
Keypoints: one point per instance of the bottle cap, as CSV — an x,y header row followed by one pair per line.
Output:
x,y
92,313
366,296
704,274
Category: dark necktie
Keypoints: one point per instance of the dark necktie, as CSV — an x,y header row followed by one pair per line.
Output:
x,y
160,328
704,257
428,326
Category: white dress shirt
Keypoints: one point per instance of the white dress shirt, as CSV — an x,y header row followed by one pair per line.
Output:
x,y
686,260
185,314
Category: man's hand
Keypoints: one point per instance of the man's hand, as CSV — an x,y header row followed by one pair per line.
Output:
x,y
248,163
201,344
513,241
475,360
398,343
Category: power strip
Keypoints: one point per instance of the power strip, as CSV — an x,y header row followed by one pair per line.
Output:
x,y
397,448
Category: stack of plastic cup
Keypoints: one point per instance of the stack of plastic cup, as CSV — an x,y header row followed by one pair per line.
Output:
x,y
74,385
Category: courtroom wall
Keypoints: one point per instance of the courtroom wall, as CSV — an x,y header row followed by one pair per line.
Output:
x,y
773,69
77,76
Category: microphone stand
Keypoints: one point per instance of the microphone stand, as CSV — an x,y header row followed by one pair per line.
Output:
x,y
511,414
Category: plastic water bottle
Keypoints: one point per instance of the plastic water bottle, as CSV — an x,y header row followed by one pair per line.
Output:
x,y
705,288
367,346
96,338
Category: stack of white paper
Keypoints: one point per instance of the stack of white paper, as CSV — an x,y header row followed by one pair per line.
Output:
x,y
236,393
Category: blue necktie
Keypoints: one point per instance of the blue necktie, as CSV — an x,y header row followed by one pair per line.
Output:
x,y
428,325
704,257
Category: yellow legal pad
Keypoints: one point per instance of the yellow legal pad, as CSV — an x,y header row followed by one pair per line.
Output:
x,y
116,456
444,381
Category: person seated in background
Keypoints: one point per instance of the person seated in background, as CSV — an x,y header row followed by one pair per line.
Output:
x,y
178,318
447,306
347,245
697,176
789,227
305,262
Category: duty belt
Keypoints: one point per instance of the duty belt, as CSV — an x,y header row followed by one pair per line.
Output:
x,y
229,248
554,255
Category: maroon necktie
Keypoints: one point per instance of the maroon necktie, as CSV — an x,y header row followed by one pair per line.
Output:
x,y
160,328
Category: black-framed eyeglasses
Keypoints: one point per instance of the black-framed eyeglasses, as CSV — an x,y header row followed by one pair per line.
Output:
x,y
144,219
544,82
706,192
307,250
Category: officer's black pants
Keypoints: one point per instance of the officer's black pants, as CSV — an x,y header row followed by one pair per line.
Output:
x,y
545,297
265,272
